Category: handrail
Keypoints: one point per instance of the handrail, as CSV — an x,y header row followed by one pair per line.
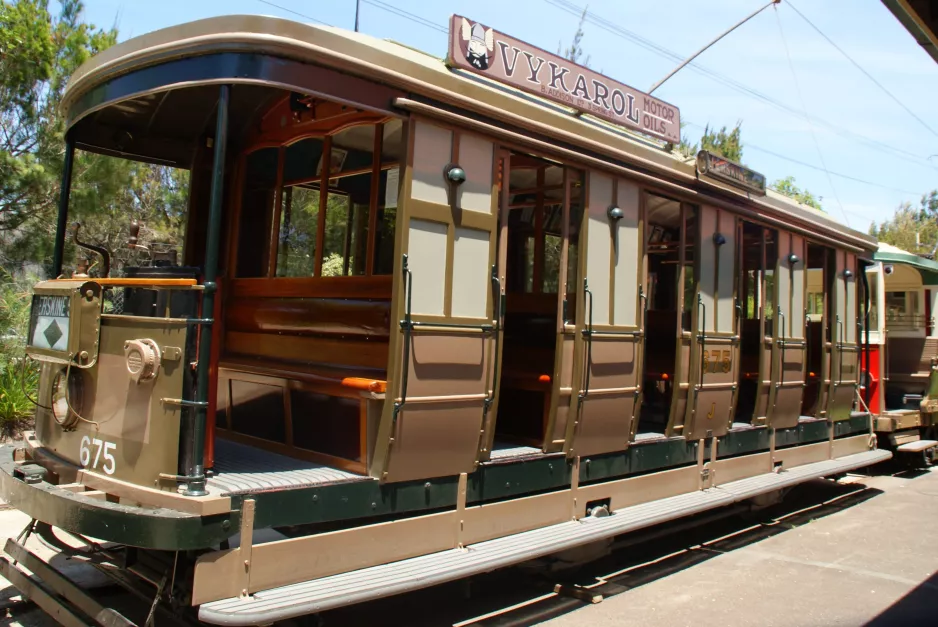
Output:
x,y
407,328
701,340
588,335
781,344
497,311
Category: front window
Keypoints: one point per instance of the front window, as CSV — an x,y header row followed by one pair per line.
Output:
x,y
336,207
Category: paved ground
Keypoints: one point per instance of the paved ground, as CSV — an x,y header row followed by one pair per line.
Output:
x,y
863,551
872,563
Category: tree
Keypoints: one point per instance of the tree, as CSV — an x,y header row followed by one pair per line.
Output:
x,y
787,187
574,51
723,143
911,228
38,53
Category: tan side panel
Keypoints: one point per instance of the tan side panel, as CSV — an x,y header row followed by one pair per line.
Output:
x,y
475,158
606,413
628,255
565,403
427,262
851,446
715,361
435,440
706,262
797,315
801,455
599,247
726,279
735,468
437,431
495,520
471,273
788,364
637,490
273,564
433,149
143,432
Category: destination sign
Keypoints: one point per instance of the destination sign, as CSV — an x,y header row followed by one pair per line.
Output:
x,y
725,170
480,49
48,324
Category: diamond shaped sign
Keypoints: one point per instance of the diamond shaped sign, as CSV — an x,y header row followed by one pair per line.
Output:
x,y
53,333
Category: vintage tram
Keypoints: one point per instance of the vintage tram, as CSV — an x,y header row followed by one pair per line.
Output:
x,y
430,319
899,365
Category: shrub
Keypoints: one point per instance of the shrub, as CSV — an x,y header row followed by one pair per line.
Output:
x,y
19,379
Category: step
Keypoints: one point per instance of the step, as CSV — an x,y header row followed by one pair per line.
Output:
x,y
386,580
917,447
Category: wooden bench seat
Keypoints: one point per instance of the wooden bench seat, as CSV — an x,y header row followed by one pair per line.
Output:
x,y
323,414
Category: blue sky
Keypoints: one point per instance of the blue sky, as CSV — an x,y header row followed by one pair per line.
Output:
x,y
856,129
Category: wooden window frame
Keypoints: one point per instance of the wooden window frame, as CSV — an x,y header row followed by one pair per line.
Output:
x,y
273,221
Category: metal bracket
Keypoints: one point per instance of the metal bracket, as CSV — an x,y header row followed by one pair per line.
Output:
x,y
247,544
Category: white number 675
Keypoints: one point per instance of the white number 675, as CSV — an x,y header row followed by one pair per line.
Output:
x,y
102,449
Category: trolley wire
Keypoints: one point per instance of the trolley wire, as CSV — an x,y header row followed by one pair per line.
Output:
x,y
624,33
407,15
817,146
297,13
865,73
757,148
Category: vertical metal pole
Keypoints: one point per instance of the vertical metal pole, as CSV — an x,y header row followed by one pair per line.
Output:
x,y
358,5
64,192
196,482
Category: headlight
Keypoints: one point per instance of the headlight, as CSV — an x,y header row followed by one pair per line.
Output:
x,y
67,397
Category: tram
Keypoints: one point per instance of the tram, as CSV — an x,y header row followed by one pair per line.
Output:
x,y
899,369
431,318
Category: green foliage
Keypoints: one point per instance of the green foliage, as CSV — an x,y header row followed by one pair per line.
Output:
x,y
787,186
910,221
574,52
724,143
37,55
17,378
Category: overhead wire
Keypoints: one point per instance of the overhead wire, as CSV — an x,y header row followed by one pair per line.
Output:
x,y
751,146
407,15
297,13
817,146
865,73
647,44
624,33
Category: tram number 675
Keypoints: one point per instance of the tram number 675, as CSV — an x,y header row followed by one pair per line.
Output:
x,y
102,449
712,362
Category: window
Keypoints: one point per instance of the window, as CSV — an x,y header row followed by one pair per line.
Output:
x,y
337,207
873,283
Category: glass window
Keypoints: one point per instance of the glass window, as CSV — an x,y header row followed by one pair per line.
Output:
x,y
392,147
257,200
316,235
873,281
299,219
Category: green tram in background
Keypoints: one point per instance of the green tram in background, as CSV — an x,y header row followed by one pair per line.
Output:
x,y
430,319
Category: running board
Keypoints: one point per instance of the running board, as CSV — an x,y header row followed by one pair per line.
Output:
x,y
386,580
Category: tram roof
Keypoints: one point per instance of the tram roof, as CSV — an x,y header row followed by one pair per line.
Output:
x,y
887,253
920,18
398,66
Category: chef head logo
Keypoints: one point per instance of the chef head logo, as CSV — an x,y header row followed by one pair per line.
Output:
x,y
480,44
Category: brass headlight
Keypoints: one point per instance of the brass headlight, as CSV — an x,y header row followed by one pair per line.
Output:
x,y
67,397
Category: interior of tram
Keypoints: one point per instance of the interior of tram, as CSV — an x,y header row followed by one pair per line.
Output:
x,y
819,274
536,305
670,243
757,293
